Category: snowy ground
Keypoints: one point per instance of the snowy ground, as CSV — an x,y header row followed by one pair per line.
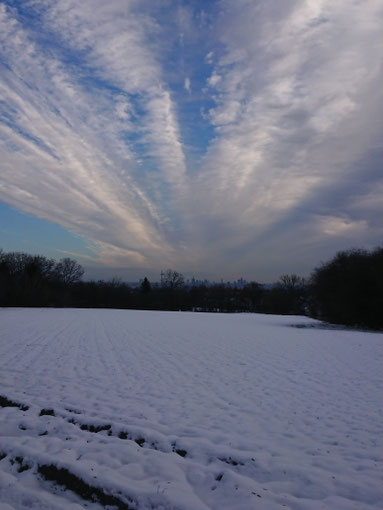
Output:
x,y
187,411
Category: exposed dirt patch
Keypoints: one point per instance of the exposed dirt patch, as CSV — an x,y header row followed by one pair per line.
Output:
x,y
95,428
22,466
65,478
231,461
47,412
141,441
5,402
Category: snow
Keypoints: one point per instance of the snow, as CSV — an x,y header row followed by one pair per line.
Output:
x,y
264,415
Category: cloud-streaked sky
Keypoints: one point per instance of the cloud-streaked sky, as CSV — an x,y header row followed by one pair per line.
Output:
x,y
220,138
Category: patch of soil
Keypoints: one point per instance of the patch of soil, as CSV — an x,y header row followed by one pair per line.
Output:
x,y
95,428
22,466
121,435
63,477
5,402
47,412
179,451
231,461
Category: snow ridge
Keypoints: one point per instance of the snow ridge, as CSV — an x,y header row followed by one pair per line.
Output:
x,y
187,411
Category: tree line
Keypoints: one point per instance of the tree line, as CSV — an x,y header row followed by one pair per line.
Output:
x,y
346,290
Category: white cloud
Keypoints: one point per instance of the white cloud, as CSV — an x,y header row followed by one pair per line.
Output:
x,y
335,226
214,79
67,156
294,100
92,138
209,57
187,85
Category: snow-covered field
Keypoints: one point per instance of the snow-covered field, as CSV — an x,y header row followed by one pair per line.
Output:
x,y
187,411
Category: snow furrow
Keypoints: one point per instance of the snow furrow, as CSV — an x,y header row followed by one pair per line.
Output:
x,y
189,411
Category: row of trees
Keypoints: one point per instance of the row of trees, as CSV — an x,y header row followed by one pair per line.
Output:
x,y
34,280
347,290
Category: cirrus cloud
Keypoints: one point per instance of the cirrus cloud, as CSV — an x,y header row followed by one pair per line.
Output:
x,y
96,130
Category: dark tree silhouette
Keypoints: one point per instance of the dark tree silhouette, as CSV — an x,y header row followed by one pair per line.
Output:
x,y
346,290
68,271
145,286
349,289
171,279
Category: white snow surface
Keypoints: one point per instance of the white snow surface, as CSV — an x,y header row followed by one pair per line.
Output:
x,y
267,415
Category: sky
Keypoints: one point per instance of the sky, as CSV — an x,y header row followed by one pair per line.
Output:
x,y
218,138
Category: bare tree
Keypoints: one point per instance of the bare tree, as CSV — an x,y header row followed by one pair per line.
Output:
x,y
69,271
292,281
171,279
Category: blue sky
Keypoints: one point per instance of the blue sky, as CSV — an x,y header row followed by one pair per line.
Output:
x,y
219,138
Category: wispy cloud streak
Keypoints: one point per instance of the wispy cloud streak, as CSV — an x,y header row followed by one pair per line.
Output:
x,y
91,137
67,152
294,89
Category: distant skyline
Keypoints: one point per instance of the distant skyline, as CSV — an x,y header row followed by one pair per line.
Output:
x,y
223,139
